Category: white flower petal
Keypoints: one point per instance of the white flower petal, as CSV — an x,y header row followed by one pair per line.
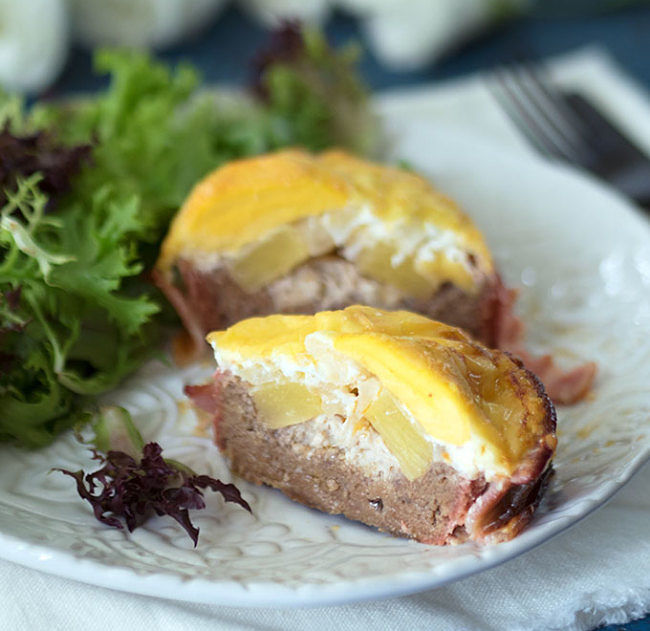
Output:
x,y
34,38
272,12
139,23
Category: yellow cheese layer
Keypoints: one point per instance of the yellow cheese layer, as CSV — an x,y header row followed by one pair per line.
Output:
x,y
247,200
395,194
455,389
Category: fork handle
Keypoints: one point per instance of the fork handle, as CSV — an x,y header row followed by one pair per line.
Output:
x,y
629,167
633,180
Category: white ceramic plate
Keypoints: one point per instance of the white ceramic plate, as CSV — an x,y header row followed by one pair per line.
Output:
x,y
583,257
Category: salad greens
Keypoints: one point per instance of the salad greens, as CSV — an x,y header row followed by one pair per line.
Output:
x,y
314,96
135,482
88,189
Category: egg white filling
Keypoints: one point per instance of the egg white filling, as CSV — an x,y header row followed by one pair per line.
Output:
x,y
346,391
351,230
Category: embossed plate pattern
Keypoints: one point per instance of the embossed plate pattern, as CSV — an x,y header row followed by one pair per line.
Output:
x,y
582,257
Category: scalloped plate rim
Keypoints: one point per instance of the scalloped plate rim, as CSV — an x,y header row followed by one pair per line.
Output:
x,y
263,594
232,594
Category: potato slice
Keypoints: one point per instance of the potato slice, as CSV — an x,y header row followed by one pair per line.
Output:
x,y
401,437
375,262
269,259
440,266
287,403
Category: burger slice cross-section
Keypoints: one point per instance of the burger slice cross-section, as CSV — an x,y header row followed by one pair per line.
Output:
x,y
389,418
292,232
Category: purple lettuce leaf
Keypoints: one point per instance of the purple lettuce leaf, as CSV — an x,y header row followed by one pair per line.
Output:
x,y
127,492
22,155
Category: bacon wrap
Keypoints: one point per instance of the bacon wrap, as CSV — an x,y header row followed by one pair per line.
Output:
x,y
207,396
565,387
195,347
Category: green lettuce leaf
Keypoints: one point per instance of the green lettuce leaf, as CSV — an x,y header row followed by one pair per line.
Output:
x,y
71,331
88,195
314,95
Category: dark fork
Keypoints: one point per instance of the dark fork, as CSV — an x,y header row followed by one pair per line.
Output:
x,y
568,127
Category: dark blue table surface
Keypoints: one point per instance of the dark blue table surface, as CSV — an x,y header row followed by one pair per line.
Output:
x,y
223,54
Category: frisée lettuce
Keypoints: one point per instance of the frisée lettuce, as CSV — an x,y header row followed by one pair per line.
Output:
x,y
88,187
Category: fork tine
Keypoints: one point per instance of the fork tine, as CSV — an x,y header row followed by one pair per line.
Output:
x,y
525,116
552,108
539,76
505,101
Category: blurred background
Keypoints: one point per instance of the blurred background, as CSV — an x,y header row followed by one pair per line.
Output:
x,y
45,45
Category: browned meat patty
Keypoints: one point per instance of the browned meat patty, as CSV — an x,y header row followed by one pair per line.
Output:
x,y
441,507
213,300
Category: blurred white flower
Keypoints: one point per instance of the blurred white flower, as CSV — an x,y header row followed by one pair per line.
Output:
x,y
34,38
139,23
404,34
271,12
407,34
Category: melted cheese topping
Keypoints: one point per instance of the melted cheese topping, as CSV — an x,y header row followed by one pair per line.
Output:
x,y
459,393
357,204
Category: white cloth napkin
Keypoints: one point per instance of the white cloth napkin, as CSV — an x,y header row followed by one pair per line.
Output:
x,y
596,573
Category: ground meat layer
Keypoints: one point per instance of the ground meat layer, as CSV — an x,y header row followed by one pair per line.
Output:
x,y
440,507
215,301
